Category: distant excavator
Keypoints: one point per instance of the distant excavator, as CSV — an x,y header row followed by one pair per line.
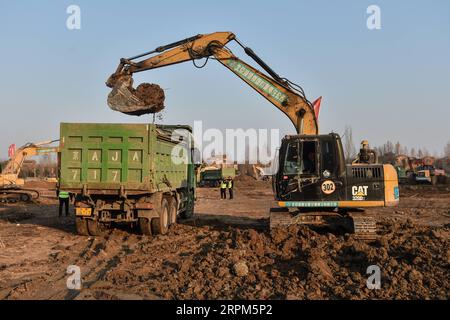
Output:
x,y
311,180
11,186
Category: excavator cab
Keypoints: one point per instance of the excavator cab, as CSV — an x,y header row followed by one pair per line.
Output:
x,y
305,162
313,181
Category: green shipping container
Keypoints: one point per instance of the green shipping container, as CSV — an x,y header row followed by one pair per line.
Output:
x,y
121,172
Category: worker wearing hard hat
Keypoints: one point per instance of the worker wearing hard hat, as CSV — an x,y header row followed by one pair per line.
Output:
x,y
366,155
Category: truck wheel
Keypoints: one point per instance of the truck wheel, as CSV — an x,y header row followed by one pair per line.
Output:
x,y
145,226
81,225
161,225
25,197
173,208
96,228
189,212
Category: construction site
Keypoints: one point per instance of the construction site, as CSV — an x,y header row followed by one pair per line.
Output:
x,y
135,211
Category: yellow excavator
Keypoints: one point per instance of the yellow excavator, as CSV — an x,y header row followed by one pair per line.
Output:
x,y
11,186
312,180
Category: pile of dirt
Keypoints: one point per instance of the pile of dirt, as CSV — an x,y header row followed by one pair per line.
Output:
x,y
244,180
244,177
227,252
297,263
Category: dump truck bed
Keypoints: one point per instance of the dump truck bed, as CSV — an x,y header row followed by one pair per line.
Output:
x,y
104,158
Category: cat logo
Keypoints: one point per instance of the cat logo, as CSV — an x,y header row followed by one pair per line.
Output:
x,y
359,193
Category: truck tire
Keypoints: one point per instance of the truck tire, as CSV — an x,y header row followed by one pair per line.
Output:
x,y
25,197
96,228
173,208
188,213
161,225
145,226
81,226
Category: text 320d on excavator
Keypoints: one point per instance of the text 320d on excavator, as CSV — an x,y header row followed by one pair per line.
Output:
x,y
312,179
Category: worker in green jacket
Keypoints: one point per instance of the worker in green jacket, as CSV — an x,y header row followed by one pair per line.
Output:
x,y
64,198
223,189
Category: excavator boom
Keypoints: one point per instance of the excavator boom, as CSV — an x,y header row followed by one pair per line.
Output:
x,y
283,94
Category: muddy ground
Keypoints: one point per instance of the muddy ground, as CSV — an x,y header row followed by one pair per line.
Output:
x,y
227,252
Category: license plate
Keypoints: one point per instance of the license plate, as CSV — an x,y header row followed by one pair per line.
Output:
x,y
83,211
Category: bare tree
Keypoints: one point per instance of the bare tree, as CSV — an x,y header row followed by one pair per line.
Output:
x,y
388,147
420,153
398,148
447,150
349,146
404,150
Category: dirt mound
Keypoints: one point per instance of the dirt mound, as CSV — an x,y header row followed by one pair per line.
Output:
x,y
227,252
299,263
244,178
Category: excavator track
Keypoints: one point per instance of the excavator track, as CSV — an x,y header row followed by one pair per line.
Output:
x,y
283,219
362,227
18,195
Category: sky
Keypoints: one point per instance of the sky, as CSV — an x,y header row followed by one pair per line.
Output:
x,y
387,84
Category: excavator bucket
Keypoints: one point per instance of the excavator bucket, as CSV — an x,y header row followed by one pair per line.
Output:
x,y
146,98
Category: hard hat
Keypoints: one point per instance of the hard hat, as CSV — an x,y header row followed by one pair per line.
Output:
x,y
365,142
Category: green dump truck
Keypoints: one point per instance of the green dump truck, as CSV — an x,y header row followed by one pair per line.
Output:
x,y
138,174
210,176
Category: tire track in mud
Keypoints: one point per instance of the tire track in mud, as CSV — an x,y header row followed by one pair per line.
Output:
x,y
142,270
96,258
52,284
46,282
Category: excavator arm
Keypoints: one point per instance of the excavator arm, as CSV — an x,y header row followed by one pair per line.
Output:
x,y
283,94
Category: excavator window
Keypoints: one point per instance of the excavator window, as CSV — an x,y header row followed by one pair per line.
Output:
x,y
292,163
328,156
309,157
301,158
